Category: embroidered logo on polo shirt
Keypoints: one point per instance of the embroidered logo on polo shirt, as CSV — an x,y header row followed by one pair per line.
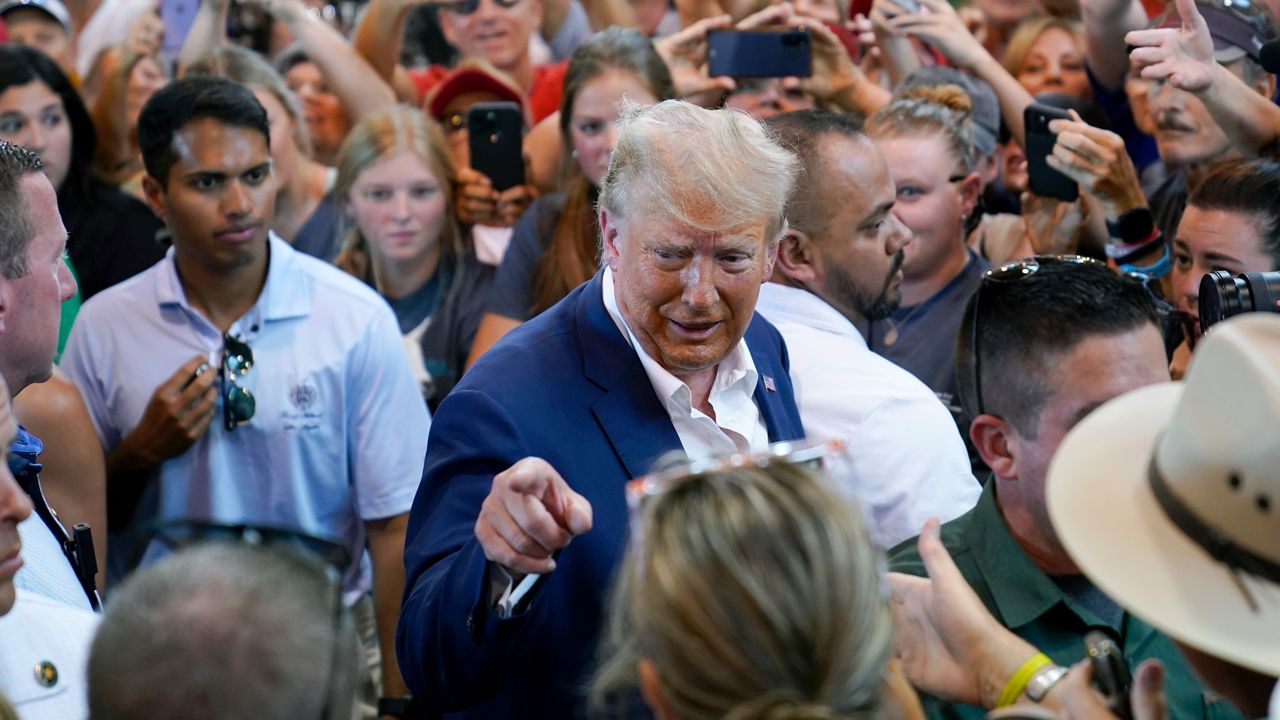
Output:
x,y
303,395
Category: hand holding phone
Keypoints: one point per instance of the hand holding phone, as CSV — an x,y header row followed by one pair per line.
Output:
x,y
495,139
1045,181
1110,672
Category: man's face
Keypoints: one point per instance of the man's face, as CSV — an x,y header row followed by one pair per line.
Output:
x,y
498,31
861,249
1185,132
36,28
1097,369
31,306
220,195
688,295
15,507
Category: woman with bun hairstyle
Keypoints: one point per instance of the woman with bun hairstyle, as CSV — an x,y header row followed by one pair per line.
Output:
x,y
555,246
926,137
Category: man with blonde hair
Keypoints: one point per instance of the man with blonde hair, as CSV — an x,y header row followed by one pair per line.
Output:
x,y
661,351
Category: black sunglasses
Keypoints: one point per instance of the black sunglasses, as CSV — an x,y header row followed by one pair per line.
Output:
x,y
466,7
1022,269
238,404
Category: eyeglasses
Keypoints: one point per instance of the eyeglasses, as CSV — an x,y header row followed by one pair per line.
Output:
x,y
238,404
184,533
467,7
1022,269
813,454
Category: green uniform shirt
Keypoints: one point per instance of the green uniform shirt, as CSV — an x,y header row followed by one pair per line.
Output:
x,y
1025,600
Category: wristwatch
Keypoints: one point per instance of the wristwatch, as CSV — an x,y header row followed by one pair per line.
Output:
x,y
401,707
1043,681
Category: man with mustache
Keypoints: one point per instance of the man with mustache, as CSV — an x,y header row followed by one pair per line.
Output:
x,y
839,265
1190,140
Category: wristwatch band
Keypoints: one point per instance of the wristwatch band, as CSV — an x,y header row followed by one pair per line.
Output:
x,y
401,707
1132,226
1043,681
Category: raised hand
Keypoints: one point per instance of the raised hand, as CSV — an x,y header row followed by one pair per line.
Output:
x,y
938,24
529,514
947,642
1097,159
1182,56
685,53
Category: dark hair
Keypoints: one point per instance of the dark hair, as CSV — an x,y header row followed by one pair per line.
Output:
x,y
193,98
571,258
1028,323
1251,187
801,131
15,221
21,65
291,57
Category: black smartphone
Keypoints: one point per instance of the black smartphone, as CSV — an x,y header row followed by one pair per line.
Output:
x,y
1110,672
495,133
1045,181
759,53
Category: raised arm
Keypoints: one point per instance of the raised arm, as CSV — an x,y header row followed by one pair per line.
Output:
x,y
1105,25
208,31
358,86
1183,57
942,28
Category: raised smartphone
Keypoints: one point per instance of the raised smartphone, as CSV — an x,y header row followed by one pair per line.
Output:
x,y
495,137
759,53
1045,181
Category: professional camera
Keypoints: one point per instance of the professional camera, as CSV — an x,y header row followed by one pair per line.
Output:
x,y
1222,296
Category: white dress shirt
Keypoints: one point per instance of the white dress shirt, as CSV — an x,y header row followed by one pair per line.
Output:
x,y
737,427
908,460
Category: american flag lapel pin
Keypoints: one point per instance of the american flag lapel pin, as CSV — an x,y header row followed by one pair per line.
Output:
x,y
769,384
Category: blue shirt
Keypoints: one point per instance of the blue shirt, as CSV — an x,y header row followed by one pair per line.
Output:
x,y
340,429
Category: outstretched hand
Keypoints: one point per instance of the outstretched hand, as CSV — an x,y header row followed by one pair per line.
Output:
x,y
685,53
529,515
1183,56
948,643
939,25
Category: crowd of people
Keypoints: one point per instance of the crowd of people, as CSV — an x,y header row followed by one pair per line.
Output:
x,y
708,396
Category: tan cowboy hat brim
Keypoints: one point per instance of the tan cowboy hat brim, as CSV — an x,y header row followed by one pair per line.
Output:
x,y
1108,520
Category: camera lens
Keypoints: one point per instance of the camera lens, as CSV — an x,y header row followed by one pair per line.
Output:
x,y
1222,296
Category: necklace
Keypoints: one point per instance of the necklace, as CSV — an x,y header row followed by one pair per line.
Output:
x,y
891,336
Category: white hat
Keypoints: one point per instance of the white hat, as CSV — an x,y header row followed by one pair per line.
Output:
x,y
1157,493
53,8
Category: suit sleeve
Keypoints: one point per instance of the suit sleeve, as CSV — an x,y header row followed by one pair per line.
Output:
x,y
454,651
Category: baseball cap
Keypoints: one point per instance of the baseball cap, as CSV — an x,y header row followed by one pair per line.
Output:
x,y
471,76
53,8
1238,27
986,108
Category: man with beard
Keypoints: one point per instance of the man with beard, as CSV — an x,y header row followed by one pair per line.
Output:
x,y
839,265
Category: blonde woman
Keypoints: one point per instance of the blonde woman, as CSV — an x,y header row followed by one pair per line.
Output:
x,y
752,593
395,185
1046,55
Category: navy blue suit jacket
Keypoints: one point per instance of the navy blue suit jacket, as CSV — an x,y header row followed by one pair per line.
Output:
x,y
568,388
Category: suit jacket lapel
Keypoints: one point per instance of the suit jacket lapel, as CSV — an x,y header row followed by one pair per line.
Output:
x,y
629,412
781,424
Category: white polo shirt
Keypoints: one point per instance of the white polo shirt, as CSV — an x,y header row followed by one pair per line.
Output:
x,y
909,462
340,430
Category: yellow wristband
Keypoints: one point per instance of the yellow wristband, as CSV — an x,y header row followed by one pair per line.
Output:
x,y
1019,681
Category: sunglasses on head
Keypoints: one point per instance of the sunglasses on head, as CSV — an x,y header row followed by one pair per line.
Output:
x,y
1023,269
238,404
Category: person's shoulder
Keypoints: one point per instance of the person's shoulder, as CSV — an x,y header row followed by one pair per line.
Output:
x,y
135,293
337,287
544,349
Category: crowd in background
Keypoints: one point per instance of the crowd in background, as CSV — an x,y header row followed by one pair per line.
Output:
x,y
275,272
